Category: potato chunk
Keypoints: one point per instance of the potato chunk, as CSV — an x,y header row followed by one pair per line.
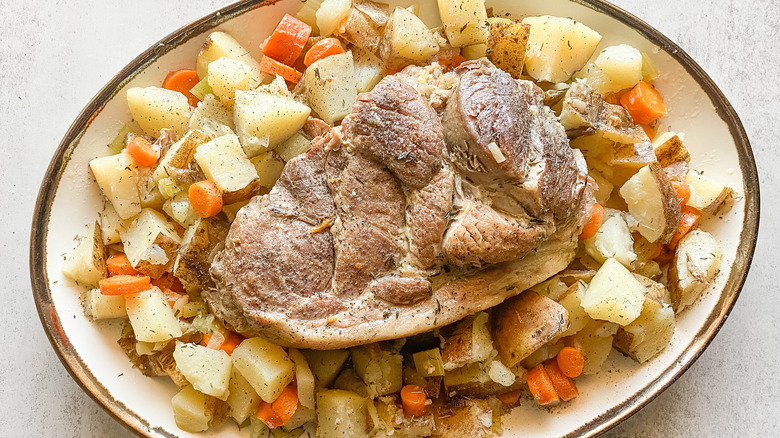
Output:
x,y
157,108
242,398
381,370
341,414
179,155
614,294
221,45
207,370
468,342
649,334
622,67
191,410
212,118
330,85
707,194
407,37
524,323
265,365
264,120
226,76
696,262
464,418
116,177
558,47
595,340
653,202
151,317
98,306
150,243
368,69
572,302
612,240
330,14
194,256
465,21
304,379
326,365
224,162
506,45
86,265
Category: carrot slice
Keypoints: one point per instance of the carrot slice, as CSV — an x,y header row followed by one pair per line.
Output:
x,y
118,264
205,198
322,49
279,412
688,220
413,399
562,383
183,81
276,68
541,386
593,225
683,191
450,61
644,103
142,151
124,284
287,41
509,398
570,361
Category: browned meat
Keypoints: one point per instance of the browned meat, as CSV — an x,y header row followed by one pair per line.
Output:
x,y
378,232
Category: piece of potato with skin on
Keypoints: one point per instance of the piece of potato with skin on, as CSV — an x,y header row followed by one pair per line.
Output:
x,y
116,176
696,263
330,14
506,45
330,86
467,341
86,265
464,418
482,380
150,243
465,21
652,200
207,370
585,108
180,155
558,47
669,149
612,240
196,252
572,302
264,120
265,365
614,294
224,162
219,45
325,364
524,323
341,414
361,30
707,195
151,316
649,334
157,108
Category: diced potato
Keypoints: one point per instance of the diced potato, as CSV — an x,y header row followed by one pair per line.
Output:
x,y
348,380
221,45
191,411
614,294
365,25
500,374
115,175
157,108
595,342
465,21
572,302
341,414
558,47
476,51
98,306
207,370
407,37
86,265
195,253
179,209
669,149
265,365
622,64
264,120
506,45
269,168
326,365
292,147
224,162
707,194
649,334
151,317
696,262
653,202
304,379
379,369
368,69
429,363
212,118
111,225
150,243
612,240
180,154
302,416
330,86
148,191
464,418
330,14
469,342
605,187
524,323
583,107
242,397
226,76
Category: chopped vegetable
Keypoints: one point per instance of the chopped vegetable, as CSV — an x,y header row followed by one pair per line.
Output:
x,y
689,218
287,41
205,198
119,141
562,383
276,68
541,386
509,398
202,88
570,361
322,49
279,412
142,151
124,284
683,191
596,219
413,399
118,264
230,343
183,81
644,103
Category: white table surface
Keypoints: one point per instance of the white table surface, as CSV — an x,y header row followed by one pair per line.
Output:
x,y
55,55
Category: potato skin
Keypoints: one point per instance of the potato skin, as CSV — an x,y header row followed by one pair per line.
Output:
x,y
506,46
193,262
672,208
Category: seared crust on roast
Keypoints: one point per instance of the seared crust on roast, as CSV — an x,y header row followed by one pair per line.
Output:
x,y
382,231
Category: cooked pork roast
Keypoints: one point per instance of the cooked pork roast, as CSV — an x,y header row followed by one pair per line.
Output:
x,y
405,218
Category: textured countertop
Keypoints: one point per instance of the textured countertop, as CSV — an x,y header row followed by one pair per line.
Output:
x,y
56,55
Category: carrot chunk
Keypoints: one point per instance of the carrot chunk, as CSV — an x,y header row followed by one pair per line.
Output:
x,y
287,41
276,68
562,383
644,103
205,198
279,412
541,386
413,399
124,284
593,225
683,191
688,221
322,49
183,81
118,264
142,151
570,361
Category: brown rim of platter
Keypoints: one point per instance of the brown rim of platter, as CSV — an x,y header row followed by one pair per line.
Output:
x,y
84,377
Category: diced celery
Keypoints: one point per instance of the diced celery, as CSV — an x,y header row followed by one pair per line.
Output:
x,y
168,187
202,88
429,363
119,141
